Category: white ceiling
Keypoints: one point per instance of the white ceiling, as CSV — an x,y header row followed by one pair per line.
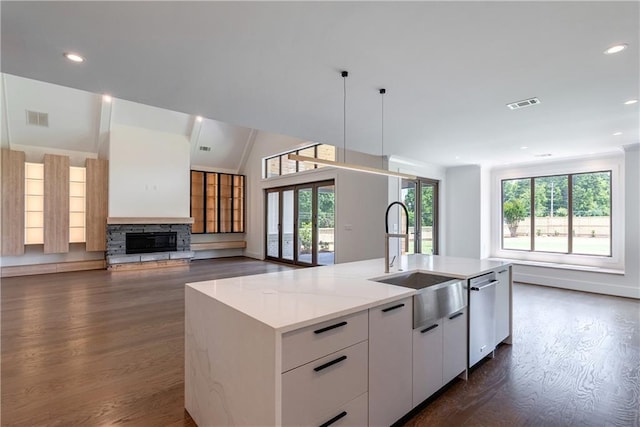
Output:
x,y
449,69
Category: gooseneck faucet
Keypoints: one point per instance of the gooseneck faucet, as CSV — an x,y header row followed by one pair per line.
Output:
x,y
388,235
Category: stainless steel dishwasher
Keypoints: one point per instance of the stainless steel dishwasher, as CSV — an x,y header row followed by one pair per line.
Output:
x,y
482,318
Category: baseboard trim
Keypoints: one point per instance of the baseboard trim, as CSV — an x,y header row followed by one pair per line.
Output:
x,y
577,285
57,267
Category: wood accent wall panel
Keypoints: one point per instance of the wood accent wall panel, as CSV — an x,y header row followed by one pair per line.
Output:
x,y
12,202
56,204
97,204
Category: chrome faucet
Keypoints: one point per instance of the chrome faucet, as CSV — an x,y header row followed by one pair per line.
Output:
x,y
388,235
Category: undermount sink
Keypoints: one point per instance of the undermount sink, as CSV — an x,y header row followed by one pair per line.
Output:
x,y
415,280
437,297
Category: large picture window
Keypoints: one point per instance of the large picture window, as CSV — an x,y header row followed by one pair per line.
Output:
x,y
567,214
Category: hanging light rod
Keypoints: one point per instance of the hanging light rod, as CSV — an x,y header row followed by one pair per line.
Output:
x,y
344,165
350,166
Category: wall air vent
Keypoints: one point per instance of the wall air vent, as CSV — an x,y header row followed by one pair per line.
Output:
x,y
203,148
35,118
524,103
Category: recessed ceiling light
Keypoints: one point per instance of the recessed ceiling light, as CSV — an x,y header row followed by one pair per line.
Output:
x,y
617,133
106,98
615,49
198,118
523,148
73,57
631,101
457,157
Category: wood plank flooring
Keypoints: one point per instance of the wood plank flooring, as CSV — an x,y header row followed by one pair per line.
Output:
x,y
98,348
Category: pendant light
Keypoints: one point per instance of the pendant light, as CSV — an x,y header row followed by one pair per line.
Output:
x,y
344,164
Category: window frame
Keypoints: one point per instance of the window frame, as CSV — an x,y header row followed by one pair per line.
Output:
x,y
280,156
610,162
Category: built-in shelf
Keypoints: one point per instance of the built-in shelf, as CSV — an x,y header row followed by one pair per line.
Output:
x,y
77,204
34,203
217,202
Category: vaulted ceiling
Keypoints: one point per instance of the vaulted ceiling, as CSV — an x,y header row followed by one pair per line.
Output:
x,y
449,69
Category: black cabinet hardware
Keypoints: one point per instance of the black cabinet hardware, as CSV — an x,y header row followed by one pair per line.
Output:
x,y
328,328
456,315
384,310
334,419
429,328
333,362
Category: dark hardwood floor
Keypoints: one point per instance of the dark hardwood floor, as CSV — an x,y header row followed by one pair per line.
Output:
x,y
96,348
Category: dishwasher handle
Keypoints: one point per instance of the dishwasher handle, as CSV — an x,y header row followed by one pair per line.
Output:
x,y
485,285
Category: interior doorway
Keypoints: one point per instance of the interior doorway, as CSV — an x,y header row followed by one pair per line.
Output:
x,y
300,223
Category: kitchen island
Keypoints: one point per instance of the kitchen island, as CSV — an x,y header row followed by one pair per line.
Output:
x,y
317,345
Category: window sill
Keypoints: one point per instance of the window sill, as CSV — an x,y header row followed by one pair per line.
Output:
x,y
583,268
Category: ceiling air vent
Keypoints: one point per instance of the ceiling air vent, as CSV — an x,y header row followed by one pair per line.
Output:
x,y
35,118
524,103
203,148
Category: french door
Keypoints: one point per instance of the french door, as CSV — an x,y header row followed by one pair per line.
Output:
x,y
421,198
300,223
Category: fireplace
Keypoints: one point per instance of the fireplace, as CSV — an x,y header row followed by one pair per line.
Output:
x,y
142,243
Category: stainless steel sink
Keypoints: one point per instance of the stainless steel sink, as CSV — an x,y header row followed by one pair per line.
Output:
x,y
415,280
437,297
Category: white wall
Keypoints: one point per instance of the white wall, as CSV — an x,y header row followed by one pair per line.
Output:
x,y
360,200
148,173
626,211
464,211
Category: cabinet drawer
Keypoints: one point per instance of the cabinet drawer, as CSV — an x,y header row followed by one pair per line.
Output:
x,y
307,344
353,414
316,389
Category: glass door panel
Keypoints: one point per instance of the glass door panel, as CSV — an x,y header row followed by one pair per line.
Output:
x,y
273,224
305,225
287,225
408,197
425,232
326,225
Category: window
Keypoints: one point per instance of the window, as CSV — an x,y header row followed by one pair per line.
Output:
x,y
281,165
217,202
567,214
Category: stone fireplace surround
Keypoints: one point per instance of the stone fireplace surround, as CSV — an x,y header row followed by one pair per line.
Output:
x,y
118,227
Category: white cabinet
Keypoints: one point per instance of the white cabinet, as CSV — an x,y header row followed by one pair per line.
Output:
x,y
390,327
503,305
454,347
320,387
439,354
427,361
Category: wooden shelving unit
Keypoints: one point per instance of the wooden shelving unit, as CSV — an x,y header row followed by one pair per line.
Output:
x,y
77,204
97,194
34,204
197,201
56,204
217,202
13,202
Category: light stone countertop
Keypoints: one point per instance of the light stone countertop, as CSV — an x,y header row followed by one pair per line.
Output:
x,y
293,299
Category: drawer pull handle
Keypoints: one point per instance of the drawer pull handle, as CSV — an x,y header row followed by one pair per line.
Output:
x,y
429,328
456,315
333,362
328,328
334,419
384,310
